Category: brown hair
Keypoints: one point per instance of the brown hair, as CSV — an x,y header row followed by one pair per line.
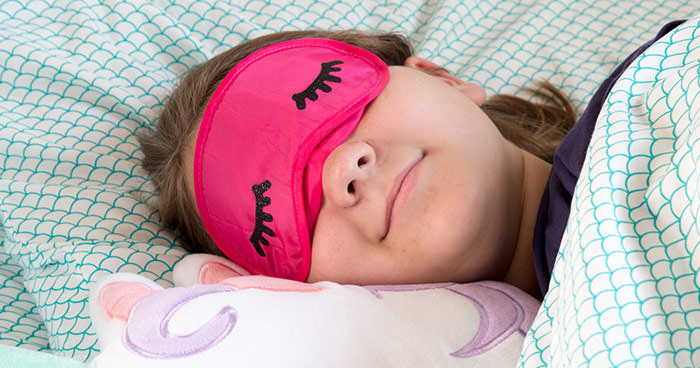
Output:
x,y
537,128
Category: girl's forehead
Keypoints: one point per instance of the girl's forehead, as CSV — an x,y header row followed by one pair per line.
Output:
x,y
410,89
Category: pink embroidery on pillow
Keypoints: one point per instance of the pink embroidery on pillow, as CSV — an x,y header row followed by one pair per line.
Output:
x,y
118,298
215,272
270,284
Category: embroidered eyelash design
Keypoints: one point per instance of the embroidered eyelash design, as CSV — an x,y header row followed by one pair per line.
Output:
x,y
261,216
318,83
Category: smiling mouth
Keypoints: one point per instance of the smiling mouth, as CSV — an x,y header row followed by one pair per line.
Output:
x,y
400,191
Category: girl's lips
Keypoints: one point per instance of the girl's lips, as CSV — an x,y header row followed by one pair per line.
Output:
x,y
403,184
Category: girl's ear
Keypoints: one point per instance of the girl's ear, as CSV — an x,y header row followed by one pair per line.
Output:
x,y
474,91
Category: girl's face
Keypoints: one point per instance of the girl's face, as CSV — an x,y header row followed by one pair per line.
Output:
x,y
424,190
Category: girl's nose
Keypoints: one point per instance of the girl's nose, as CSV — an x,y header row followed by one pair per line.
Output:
x,y
346,172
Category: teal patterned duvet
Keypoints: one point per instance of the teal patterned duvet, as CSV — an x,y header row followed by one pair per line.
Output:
x,y
80,79
625,288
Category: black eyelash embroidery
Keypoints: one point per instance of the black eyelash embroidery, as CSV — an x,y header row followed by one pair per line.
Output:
x,y
261,216
318,83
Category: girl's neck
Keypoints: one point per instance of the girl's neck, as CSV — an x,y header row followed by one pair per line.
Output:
x,y
521,272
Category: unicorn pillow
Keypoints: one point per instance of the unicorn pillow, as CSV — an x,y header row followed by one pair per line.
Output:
x,y
220,316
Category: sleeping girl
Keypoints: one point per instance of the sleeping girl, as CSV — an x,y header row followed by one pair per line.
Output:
x,y
340,156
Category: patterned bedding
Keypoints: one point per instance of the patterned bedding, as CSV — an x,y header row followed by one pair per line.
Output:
x,y
80,79
626,282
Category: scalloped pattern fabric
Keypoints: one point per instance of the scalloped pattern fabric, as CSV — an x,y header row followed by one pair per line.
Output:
x,y
625,289
19,319
79,79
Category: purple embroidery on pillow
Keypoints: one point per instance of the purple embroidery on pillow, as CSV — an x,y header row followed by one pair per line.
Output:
x,y
147,333
503,310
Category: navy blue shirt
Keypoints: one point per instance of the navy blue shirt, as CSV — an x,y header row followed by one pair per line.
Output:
x,y
553,213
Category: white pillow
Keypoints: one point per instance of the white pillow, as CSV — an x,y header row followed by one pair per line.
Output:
x,y
259,321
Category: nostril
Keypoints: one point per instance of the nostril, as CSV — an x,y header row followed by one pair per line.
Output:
x,y
351,188
361,161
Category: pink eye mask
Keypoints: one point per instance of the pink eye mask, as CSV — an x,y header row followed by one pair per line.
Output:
x,y
264,137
